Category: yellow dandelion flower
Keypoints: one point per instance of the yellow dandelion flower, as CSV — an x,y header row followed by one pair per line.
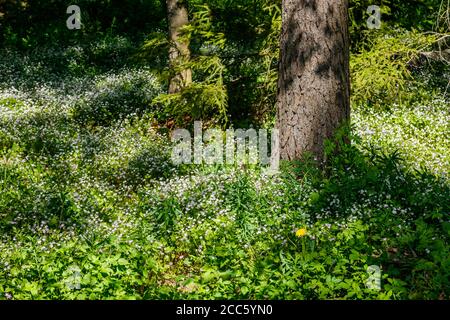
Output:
x,y
301,232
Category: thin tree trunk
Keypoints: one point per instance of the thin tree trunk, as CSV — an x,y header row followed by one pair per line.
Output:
x,y
314,83
177,15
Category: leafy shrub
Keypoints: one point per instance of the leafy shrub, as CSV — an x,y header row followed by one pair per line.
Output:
x,y
380,74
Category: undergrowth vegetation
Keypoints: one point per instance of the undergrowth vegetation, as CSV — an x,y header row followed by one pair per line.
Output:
x,y
92,207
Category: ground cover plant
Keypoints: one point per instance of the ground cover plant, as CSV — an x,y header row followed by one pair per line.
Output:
x,y
92,206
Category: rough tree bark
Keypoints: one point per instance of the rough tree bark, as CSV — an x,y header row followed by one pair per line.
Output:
x,y
177,16
314,84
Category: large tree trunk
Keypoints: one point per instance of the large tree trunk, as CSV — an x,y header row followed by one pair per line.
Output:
x,y
177,16
314,83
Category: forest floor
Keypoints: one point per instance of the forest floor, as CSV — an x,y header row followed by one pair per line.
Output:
x,y
91,206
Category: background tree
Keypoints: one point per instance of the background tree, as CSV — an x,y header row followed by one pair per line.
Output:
x,y
314,85
177,16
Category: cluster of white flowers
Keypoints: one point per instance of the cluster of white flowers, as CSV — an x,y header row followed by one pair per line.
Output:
x,y
420,133
64,182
